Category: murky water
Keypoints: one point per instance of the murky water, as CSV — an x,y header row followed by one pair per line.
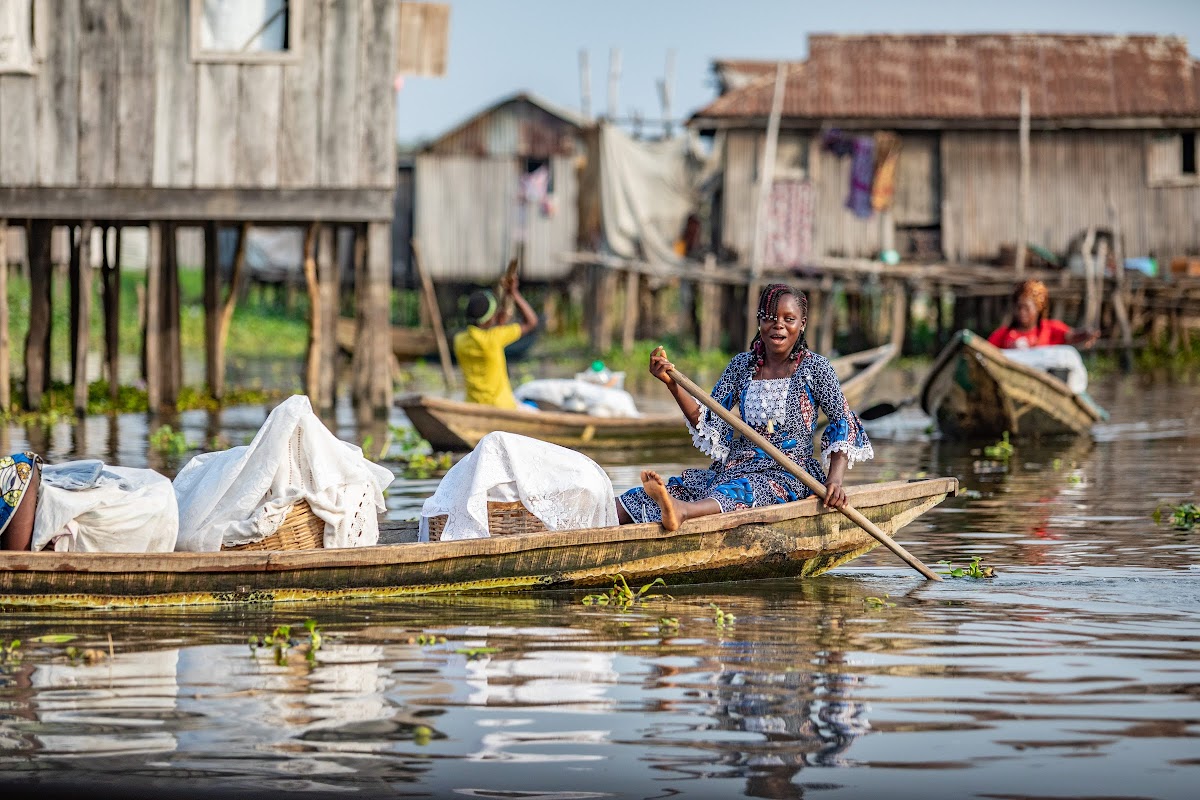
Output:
x,y
1075,672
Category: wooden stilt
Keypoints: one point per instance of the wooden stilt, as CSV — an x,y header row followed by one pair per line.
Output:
x,y
900,304
372,355
152,349
82,315
5,370
828,316
632,306
329,276
73,243
111,288
37,340
171,343
359,370
312,359
235,281
212,305
710,311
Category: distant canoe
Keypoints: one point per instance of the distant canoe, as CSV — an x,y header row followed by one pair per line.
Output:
x,y
974,391
798,539
408,344
457,426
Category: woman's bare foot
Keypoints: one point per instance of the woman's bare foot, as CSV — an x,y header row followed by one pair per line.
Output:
x,y
657,490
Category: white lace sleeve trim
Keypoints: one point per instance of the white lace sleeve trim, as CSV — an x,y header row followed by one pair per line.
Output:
x,y
707,439
853,453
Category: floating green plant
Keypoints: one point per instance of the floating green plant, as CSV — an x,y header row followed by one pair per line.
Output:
x,y
973,570
427,639
1001,450
473,653
722,618
10,651
1184,517
422,735
280,641
168,441
879,602
622,596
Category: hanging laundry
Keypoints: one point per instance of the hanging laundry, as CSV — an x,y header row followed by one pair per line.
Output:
x,y
862,175
887,159
789,223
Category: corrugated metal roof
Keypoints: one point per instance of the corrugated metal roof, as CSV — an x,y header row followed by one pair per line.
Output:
x,y
970,76
520,124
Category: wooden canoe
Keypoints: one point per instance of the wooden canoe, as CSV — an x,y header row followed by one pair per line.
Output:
x,y
974,390
408,344
797,539
457,426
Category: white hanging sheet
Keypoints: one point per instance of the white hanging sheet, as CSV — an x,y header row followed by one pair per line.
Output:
x,y
564,489
89,507
242,495
1054,357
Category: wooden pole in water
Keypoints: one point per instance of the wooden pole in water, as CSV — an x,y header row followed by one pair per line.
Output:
x,y
312,363
151,349
82,317
766,176
212,305
751,435
226,318
5,385
1023,199
111,288
435,316
37,339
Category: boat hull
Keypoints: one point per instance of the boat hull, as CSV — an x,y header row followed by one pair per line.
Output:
x,y
974,391
457,426
797,539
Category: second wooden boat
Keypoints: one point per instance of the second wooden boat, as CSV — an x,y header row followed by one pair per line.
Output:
x,y
457,426
799,539
974,391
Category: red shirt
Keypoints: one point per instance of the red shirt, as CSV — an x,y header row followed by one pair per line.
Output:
x,y
1048,331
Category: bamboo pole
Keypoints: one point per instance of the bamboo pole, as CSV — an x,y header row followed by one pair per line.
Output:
x,y
766,176
435,317
751,435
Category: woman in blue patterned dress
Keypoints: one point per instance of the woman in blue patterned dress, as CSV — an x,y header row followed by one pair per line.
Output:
x,y
778,385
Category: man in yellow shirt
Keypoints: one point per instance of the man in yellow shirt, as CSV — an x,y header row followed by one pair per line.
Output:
x,y
480,348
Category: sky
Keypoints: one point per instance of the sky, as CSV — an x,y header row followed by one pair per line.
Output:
x,y
501,47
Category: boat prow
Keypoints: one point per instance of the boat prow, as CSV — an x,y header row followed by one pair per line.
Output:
x,y
973,391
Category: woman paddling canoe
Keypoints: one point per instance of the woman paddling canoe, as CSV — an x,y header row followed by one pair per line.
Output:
x,y
778,385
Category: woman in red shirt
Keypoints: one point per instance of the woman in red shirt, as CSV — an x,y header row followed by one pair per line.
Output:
x,y
1029,326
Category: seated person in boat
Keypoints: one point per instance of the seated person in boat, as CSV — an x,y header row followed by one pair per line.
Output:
x,y
480,348
779,385
1030,326
20,477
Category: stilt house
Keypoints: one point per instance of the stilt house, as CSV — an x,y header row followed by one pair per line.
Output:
x,y
506,176
1113,143
205,113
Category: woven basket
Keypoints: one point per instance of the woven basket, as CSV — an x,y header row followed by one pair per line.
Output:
x,y
504,519
301,530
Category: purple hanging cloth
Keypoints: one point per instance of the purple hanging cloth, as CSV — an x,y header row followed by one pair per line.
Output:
x,y
862,173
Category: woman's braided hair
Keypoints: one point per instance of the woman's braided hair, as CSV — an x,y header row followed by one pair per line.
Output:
x,y
768,309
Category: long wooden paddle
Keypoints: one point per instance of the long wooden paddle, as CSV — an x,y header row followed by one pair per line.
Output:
x,y
752,435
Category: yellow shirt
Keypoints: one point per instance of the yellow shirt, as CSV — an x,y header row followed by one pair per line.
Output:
x,y
480,353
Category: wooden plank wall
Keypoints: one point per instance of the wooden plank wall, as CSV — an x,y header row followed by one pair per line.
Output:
x,y
466,216
1075,176
116,100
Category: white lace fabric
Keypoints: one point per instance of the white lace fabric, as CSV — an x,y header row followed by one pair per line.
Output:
x,y
243,494
564,489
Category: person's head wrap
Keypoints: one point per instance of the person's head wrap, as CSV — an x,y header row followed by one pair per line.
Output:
x,y
1036,292
481,307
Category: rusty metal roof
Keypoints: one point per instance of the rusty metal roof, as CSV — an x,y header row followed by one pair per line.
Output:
x,y
969,77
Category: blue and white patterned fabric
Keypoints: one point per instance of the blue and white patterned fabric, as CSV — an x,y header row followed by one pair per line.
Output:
x,y
16,471
782,410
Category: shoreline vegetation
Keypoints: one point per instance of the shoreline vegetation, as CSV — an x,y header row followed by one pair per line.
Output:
x,y
269,334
